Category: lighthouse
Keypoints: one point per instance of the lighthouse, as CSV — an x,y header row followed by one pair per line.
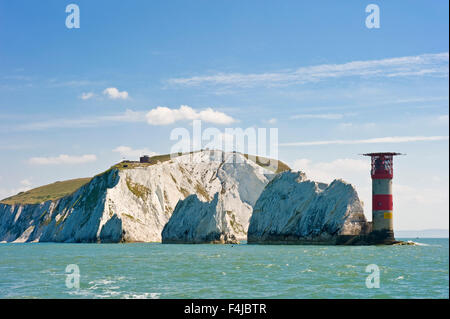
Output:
x,y
382,172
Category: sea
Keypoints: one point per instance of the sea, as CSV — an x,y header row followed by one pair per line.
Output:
x,y
154,270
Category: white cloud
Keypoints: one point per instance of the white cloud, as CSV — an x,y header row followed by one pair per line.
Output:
x,y
26,183
410,100
157,116
346,168
55,83
411,202
354,171
326,116
424,195
114,93
356,126
5,193
129,152
420,65
57,123
87,96
127,116
443,118
63,159
165,116
272,121
389,139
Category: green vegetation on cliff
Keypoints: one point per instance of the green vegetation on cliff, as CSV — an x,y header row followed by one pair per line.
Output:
x,y
273,165
47,192
270,164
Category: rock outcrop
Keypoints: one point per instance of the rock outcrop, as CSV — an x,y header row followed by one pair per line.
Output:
x,y
225,218
197,222
134,204
295,210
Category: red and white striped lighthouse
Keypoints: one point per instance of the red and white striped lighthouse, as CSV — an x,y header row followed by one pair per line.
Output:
x,y
382,172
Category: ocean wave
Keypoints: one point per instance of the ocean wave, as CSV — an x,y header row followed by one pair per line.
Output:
x,y
145,295
419,244
307,270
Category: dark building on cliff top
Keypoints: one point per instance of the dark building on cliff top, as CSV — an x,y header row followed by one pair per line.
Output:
x,y
144,159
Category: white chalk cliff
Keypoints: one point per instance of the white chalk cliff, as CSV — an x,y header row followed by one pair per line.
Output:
x,y
295,210
197,222
134,204
224,218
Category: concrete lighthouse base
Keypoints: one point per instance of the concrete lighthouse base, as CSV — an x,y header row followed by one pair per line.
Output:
x,y
369,237
374,238
382,237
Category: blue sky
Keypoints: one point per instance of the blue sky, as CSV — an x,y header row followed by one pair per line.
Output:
x,y
313,70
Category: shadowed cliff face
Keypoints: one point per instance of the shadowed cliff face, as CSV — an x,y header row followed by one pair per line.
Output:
x,y
292,209
197,222
134,205
74,218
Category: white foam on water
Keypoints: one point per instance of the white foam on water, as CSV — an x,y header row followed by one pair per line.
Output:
x,y
307,270
145,295
418,244
100,282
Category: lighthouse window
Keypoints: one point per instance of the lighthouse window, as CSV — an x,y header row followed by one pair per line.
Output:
x,y
377,164
388,165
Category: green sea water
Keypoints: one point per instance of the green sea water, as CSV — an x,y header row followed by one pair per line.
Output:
x,y
224,271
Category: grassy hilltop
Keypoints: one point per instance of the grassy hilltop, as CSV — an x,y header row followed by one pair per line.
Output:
x,y
47,192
